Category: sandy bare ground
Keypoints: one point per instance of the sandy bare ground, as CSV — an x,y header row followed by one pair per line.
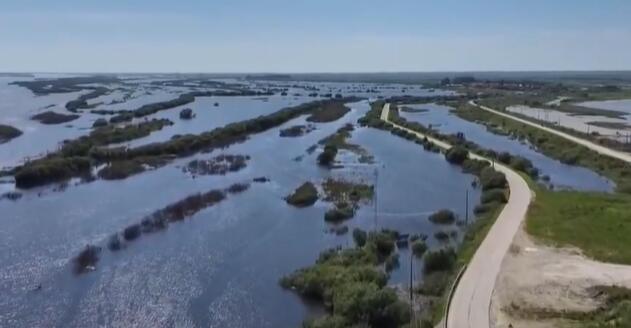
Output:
x,y
534,276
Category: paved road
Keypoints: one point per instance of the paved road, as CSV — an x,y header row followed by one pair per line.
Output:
x,y
471,300
593,146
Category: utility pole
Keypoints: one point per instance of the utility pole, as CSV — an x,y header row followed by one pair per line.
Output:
x,y
466,210
375,198
411,286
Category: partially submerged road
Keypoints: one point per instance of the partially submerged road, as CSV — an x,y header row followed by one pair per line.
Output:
x,y
593,146
470,304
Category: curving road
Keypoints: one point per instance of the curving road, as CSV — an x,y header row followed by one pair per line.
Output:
x,y
593,146
471,300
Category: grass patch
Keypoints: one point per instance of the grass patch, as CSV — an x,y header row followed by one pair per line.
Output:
x,y
599,224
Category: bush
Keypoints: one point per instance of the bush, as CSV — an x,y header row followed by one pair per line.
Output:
x,y
8,132
360,237
474,166
101,122
327,157
186,114
493,195
305,195
114,243
491,179
443,217
120,170
132,232
441,236
440,260
87,258
419,248
339,214
50,170
570,157
456,155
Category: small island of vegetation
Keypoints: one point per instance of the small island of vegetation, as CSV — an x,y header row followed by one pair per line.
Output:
x,y
50,117
304,196
8,132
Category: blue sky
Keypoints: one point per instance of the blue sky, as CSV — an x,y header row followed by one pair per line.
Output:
x,y
313,36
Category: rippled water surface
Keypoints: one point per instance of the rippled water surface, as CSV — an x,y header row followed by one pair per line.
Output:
x,y
220,268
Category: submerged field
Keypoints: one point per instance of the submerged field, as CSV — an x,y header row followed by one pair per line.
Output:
x,y
214,261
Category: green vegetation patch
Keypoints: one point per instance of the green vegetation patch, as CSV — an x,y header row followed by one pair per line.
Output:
x,y
340,191
303,196
328,112
8,132
50,117
599,224
443,216
352,286
339,140
296,131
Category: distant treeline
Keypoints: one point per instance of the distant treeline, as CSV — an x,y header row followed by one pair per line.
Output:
x,y
64,85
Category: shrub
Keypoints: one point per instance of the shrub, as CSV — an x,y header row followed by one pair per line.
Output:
x,y
383,242
120,170
419,248
339,214
491,179
132,232
474,166
305,195
114,243
360,237
327,157
443,217
101,122
238,188
456,155
440,260
441,235
493,195
186,114
87,258
50,170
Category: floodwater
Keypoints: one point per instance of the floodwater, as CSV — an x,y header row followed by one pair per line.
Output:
x,y
622,105
561,175
221,267
580,123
